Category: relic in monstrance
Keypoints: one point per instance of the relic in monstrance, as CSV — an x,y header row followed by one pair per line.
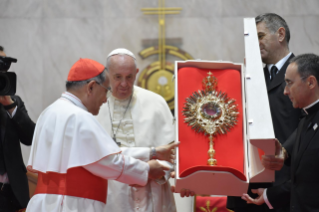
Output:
x,y
210,112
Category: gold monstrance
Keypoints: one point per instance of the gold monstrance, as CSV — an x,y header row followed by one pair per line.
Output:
x,y
210,112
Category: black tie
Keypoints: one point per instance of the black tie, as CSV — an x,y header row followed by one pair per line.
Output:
x,y
273,72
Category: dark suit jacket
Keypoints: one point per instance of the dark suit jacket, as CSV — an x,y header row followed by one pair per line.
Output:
x,y
302,189
284,117
13,131
285,120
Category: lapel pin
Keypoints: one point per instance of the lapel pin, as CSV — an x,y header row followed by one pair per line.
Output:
x,y
315,126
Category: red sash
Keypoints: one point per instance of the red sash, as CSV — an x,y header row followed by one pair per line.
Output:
x,y
77,182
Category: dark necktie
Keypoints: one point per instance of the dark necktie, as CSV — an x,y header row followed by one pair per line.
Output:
x,y
273,72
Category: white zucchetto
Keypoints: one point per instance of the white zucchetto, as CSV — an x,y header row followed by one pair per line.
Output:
x,y
121,51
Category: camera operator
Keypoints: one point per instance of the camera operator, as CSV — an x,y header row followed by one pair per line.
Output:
x,y
15,126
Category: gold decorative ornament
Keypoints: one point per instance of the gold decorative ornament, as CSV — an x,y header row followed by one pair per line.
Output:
x,y
210,112
157,76
208,207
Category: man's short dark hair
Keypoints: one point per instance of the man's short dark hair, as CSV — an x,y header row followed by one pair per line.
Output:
x,y
1,49
77,84
308,64
273,23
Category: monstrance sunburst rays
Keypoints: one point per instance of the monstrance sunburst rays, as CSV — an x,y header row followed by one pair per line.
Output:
x,y
210,112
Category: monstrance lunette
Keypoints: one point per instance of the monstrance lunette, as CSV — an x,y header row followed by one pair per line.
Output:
x,y
210,112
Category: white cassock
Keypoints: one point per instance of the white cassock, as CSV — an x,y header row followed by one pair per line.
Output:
x,y
69,138
148,122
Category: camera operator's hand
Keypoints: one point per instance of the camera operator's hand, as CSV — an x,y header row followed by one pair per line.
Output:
x,y
6,100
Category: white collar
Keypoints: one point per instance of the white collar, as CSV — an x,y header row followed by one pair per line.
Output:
x,y
110,95
75,100
280,63
309,106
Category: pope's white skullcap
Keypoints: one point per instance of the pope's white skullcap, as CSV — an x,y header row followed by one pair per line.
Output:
x,y
121,51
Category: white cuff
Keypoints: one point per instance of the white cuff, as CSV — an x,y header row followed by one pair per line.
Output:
x,y
266,199
135,171
141,153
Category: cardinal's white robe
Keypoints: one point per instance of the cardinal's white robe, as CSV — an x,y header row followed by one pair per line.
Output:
x,y
68,136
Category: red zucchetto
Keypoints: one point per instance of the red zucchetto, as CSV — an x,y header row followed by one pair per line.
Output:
x,y
85,69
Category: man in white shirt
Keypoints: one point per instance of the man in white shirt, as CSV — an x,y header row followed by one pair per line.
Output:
x,y
73,155
140,121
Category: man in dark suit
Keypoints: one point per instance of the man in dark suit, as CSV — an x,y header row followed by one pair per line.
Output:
x,y
15,127
274,35
302,148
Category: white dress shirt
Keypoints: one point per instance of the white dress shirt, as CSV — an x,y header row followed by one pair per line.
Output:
x,y
279,64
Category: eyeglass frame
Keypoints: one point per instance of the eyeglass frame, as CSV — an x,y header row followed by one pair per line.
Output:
x,y
106,88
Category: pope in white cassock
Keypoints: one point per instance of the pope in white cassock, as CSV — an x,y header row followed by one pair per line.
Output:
x,y
74,156
140,121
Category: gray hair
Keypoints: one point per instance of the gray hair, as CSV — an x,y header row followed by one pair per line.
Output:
x,y
108,60
78,84
273,23
308,64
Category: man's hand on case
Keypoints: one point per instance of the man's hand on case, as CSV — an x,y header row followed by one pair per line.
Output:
x,y
184,192
275,162
257,201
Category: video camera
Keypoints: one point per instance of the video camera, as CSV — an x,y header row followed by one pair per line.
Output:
x,y
8,80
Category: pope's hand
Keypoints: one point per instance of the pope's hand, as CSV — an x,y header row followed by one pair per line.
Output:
x,y
156,170
258,201
274,162
166,152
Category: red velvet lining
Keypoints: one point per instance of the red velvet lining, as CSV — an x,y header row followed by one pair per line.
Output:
x,y
261,153
78,182
193,147
213,168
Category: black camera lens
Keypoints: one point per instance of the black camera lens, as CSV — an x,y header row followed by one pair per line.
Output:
x,y
8,83
4,83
